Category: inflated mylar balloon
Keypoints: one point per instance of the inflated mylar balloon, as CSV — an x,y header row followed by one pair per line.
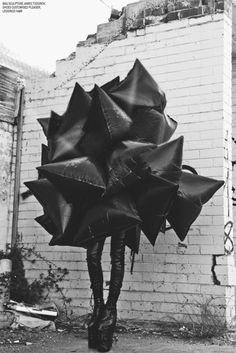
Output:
x,y
109,167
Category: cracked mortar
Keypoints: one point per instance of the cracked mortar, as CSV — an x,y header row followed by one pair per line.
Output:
x,y
214,264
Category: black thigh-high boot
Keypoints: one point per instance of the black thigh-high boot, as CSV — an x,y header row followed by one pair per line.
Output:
x,y
107,323
94,254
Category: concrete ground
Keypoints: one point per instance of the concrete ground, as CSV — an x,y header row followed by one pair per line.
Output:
x,y
66,342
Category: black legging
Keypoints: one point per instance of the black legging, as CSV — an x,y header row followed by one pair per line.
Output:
x,y
117,253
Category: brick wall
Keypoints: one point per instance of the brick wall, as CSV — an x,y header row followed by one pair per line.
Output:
x,y
188,59
6,147
8,94
234,101
12,72
234,133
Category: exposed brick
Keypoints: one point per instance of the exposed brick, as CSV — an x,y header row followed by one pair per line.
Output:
x,y
186,58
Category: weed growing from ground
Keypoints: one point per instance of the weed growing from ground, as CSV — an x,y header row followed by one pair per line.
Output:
x,y
204,320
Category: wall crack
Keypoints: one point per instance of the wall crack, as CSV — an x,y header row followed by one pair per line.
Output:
x,y
215,279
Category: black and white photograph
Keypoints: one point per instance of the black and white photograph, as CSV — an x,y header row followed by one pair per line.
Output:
x,y
117,176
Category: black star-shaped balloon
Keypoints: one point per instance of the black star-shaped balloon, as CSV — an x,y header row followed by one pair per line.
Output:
x,y
109,166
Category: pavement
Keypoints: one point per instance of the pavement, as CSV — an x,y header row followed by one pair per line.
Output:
x,y
66,342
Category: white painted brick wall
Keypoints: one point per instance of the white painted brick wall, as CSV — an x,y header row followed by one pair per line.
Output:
x,y
234,130
187,59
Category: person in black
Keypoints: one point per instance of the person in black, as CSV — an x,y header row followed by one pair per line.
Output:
x,y
103,320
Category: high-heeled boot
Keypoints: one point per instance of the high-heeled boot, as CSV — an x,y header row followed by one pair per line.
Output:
x,y
94,253
107,323
98,311
107,327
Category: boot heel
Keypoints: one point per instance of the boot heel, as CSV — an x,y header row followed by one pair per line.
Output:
x,y
92,337
106,339
106,329
93,323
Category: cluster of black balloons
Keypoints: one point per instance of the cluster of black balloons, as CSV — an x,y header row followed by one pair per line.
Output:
x,y
109,166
